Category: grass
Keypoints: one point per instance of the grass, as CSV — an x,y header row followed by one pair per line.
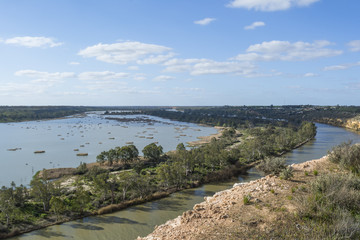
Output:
x,y
246,199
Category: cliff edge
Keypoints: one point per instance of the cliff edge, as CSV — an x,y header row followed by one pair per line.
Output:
x,y
248,210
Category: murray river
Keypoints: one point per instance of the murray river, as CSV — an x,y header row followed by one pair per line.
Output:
x,y
140,220
91,134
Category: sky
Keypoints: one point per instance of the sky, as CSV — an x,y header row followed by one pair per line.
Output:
x,y
179,52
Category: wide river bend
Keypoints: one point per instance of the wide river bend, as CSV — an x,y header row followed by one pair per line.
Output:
x,y
140,220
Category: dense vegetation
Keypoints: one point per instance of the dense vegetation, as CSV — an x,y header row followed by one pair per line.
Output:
x,y
97,190
28,113
24,113
250,116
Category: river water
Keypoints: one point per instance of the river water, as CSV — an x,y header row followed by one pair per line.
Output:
x,y
140,220
90,134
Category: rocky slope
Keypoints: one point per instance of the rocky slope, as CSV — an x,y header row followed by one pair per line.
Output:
x,y
227,216
352,123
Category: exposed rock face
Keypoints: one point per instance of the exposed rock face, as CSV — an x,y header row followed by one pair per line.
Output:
x,y
226,213
352,123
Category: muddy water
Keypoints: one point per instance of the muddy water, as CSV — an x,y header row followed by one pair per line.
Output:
x,y
140,220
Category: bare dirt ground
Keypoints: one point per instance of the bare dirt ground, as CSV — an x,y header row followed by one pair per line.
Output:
x,y
226,216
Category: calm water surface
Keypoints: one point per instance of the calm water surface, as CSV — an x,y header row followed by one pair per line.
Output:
x,y
90,134
141,220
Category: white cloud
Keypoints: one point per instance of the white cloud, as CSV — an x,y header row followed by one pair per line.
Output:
x,y
74,63
45,76
156,59
133,68
354,45
310,74
139,77
286,51
254,25
205,21
182,65
162,78
207,66
32,41
124,52
341,66
105,75
213,67
270,5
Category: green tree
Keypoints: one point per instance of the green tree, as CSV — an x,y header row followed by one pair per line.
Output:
x,y
128,154
57,206
7,205
42,190
153,152
81,199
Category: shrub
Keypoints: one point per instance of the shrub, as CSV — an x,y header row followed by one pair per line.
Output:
x,y
272,165
287,173
316,172
347,155
334,201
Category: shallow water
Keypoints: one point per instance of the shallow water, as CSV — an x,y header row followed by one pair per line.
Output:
x,y
91,134
140,220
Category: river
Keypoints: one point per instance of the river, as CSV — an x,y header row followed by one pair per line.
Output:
x,y
140,220
91,134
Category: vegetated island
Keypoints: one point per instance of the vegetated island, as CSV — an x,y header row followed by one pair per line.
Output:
x,y
121,178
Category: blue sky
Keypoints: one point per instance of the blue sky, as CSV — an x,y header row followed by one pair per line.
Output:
x,y
183,52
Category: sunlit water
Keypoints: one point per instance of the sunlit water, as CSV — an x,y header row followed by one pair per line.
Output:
x,y
140,220
91,134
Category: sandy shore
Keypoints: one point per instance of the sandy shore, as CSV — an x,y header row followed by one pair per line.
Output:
x,y
207,139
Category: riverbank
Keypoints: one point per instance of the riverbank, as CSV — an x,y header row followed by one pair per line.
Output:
x,y
207,139
270,204
352,123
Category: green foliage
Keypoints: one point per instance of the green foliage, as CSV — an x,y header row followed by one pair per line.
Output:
x,y
316,172
127,154
42,190
153,152
347,156
334,201
246,199
272,165
57,206
24,113
81,169
287,173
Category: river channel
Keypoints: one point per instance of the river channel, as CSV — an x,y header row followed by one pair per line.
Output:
x,y
140,220
62,139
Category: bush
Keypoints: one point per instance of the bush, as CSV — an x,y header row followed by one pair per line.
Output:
x,y
287,173
334,201
347,155
272,165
